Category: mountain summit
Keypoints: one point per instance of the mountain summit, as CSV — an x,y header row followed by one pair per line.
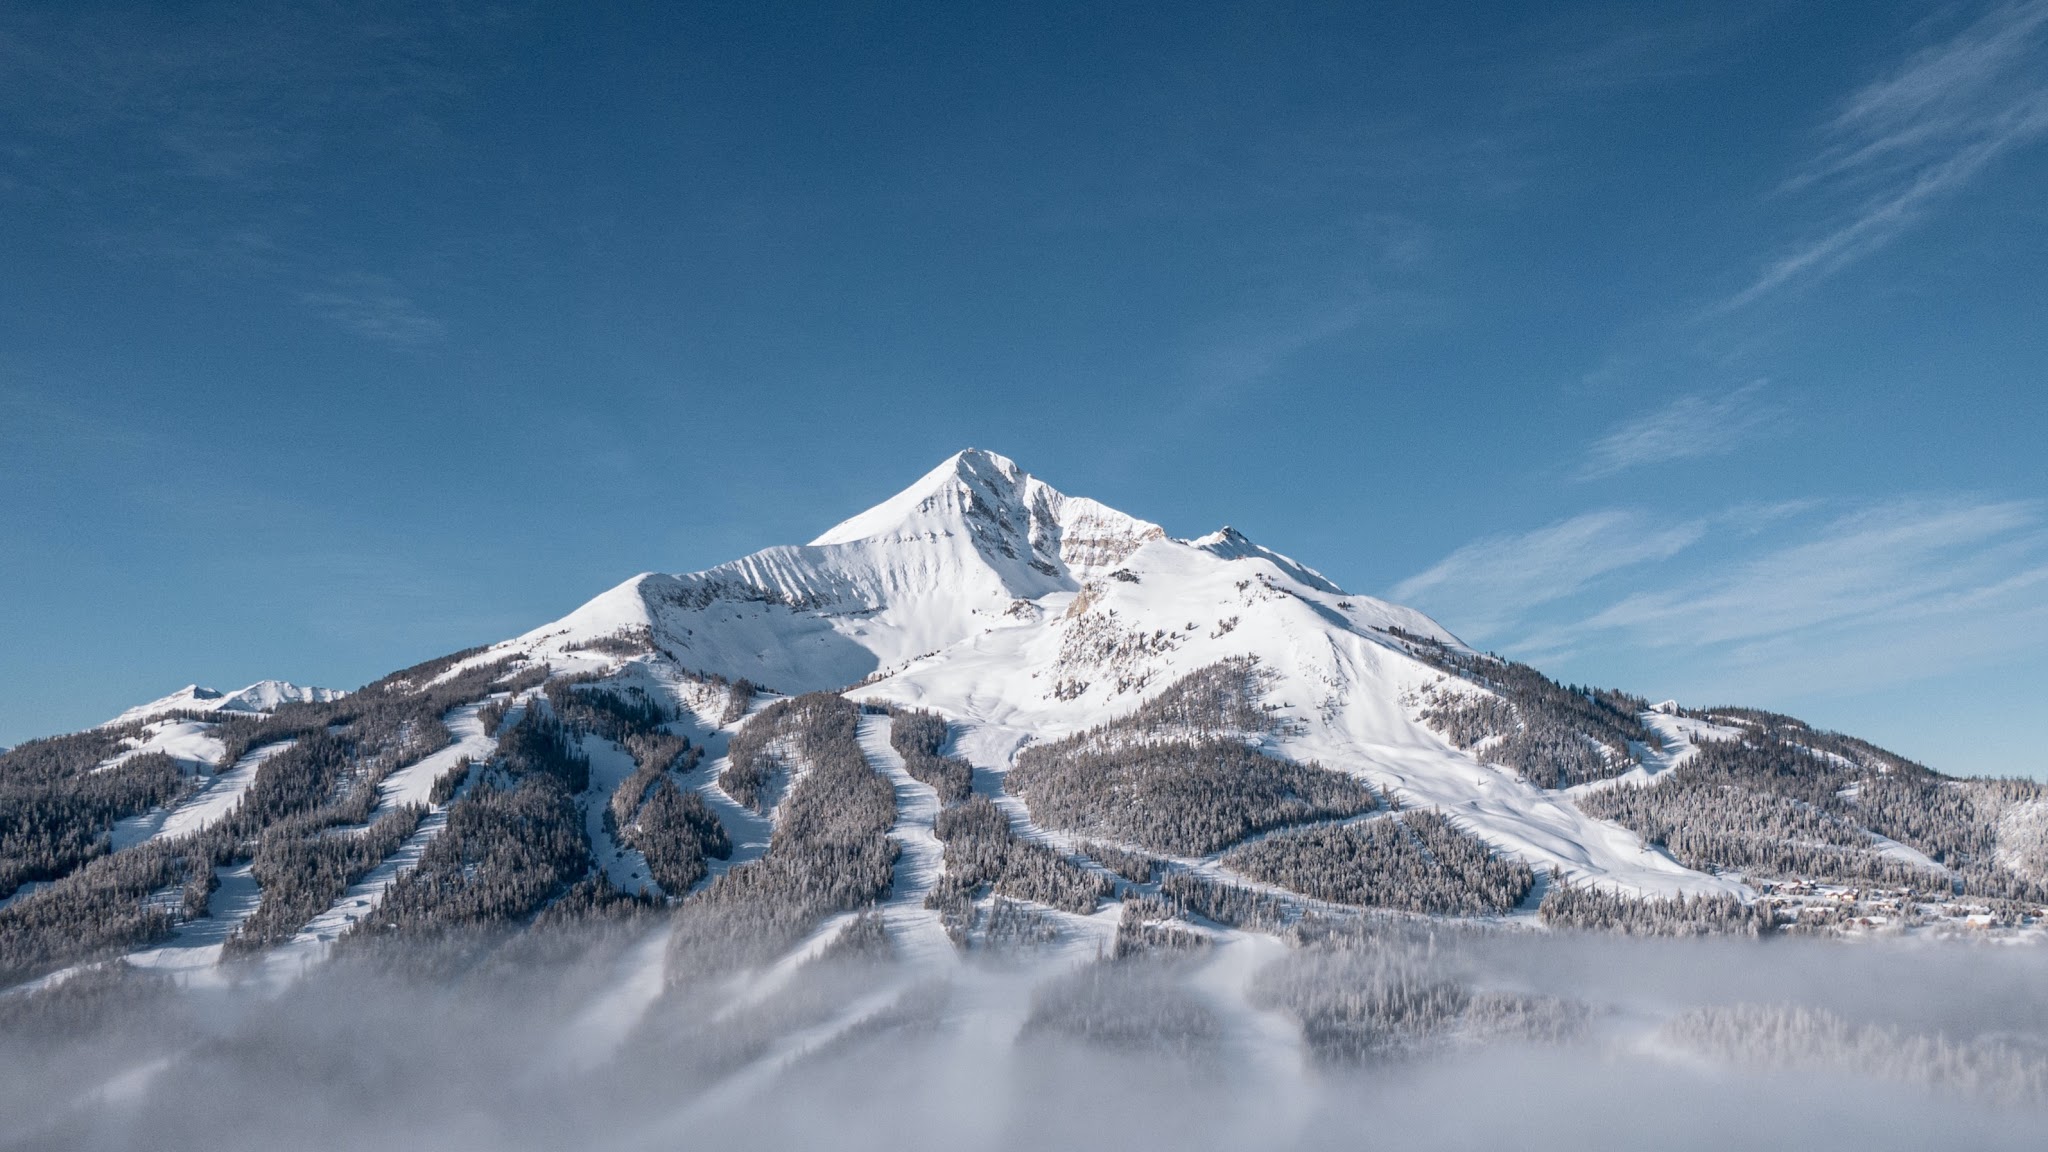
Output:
x,y
981,708
1022,613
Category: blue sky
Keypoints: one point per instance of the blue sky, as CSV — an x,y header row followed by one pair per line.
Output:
x,y
1692,349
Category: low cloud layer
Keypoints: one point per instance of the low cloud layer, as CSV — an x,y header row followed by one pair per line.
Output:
x,y
881,1057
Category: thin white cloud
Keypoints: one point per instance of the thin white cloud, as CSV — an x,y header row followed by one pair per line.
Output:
x,y
372,307
1889,594
1489,584
1931,127
1687,428
1902,558
1615,49
1886,595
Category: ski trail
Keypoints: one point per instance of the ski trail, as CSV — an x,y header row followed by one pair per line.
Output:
x,y
312,943
738,1089
915,931
28,888
752,988
202,809
624,866
748,830
414,783
292,958
192,955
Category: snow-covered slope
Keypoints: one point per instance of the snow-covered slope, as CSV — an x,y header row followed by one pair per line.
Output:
x,y
1022,614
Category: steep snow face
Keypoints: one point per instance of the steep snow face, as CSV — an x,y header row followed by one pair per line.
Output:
x,y
974,542
262,696
985,588
1025,614
1010,517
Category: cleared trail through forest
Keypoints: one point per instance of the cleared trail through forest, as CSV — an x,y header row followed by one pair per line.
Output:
x,y
747,830
201,810
312,942
916,931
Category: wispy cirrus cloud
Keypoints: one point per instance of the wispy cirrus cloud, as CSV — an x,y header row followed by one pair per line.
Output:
x,y
1489,585
1612,49
1902,143
1688,428
1770,600
1871,568
374,308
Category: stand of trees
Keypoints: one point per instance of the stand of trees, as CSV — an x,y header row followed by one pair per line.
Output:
x,y
1140,931
56,811
1413,861
1552,735
1135,867
1588,909
739,696
513,842
1379,991
1132,1005
674,829
505,852
303,868
542,745
677,832
1013,925
1224,698
1784,801
1791,1036
982,856
1176,776
917,737
830,852
100,909
326,779
1231,905
753,762
1184,797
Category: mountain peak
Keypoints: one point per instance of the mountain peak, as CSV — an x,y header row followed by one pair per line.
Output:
x,y
969,471
1230,544
1006,511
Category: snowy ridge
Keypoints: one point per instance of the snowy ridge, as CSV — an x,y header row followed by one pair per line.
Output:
x,y
262,696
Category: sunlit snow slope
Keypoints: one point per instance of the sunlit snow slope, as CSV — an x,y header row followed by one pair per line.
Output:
x,y
1025,614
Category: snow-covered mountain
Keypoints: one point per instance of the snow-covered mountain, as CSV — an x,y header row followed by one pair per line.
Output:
x,y
1021,613
1213,733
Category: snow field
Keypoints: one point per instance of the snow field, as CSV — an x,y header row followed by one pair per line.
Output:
x,y
190,742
